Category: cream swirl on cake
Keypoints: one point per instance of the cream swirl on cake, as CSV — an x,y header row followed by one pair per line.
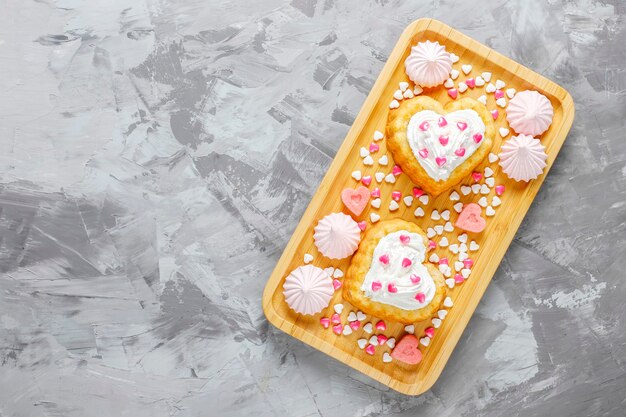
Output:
x,y
397,275
442,143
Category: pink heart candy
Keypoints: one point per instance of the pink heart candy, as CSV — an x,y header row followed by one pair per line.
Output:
x,y
441,161
424,126
382,339
430,332
335,318
470,219
366,180
370,350
453,93
407,350
443,261
458,278
495,114
396,170
356,199
384,259
391,287
443,140
420,297
415,279
380,325
498,94
432,244
405,239
499,189
442,121
376,192
396,195
336,284
477,137
362,225
423,153
417,192
354,325
325,322
406,262
468,263
461,125
471,83
374,147
337,329
477,176
376,286
460,152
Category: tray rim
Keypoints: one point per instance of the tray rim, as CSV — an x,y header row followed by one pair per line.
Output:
x,y
443,355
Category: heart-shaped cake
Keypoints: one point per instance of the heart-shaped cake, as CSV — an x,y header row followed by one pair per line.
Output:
x,y
438,146
389,276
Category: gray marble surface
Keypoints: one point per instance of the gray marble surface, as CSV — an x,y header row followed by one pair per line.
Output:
x,y
157,154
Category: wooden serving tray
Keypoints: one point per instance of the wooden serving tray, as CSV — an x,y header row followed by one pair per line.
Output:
x,y
493,241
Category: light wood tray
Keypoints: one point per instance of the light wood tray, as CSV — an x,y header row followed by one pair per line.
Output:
x,y
494,241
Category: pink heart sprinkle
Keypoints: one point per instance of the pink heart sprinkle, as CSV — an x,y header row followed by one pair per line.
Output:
x,y
458,278
336,284
376,286
460,152
441,161
471,83
477,176
325,322
443,261
366,180
335,318
477,137
380,325
453,93
396,195
430,332
461,125
391,287
443,140
354,325
498,94
442,121
468,263
424,126
374,147
406,262
405,239
384,259
337,329
370,350
376,192
495,114
432,244
382,339
420,297
499,189
423,153
362,225
417,192
415,279
396,170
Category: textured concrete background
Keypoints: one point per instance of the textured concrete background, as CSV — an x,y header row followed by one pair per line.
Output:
x,y
157,154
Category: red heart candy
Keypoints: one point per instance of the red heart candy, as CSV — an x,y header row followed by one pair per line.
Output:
x,y
471,83
396,170
442,121
477,137
461,125
380,325
499,189
391,287
443,140
336,284
362,225
382,339
405,239
430,332
420,297
470,219
477,176
384,259
356,199
325,322
443,261
337,328
423,153
396,195
498,94
374,147
376,286
468,263
424,126
407,350
495,114
458,279
335,318
417,192
366,180
440,160
406,262
370,349
354,325
460,152
376,192
415,279
453,93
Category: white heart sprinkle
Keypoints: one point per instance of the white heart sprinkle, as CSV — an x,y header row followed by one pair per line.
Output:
x,y
466,272
409,329
462,248
394,104
408,94
454,74
484,189
436,323
448,302
483,202
390,178
430,232
458,207
493,157
454,57
462,87
510,92
398,95
435,215
449,83
376,203
490,88
475,188
419,212
368,328
379,176
480,81
374,217
503,131
347,330
500,84
501,102
448,227
338,308
463,238
465,190
387,357
486,76
368,160
434,258
490,211
491,181
391,342
352,316
360,316
488,172
383,160
458,265
364,152
482,99
454,248
338,273
445,214
308,258
418,90
393,206
357,175
473,246
378,135
438,229
445,270
362,343
450,282
374,340
329,271
423,199
454,196
495,201
466,69
403,85
425,341
408,200
443,242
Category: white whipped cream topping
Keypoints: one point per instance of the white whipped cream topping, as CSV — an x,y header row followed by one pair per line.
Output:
x,y
428,139
399,276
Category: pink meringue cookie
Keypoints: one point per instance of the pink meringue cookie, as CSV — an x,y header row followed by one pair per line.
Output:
x,y
529,113
523,158
337,236
428,64
308,289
